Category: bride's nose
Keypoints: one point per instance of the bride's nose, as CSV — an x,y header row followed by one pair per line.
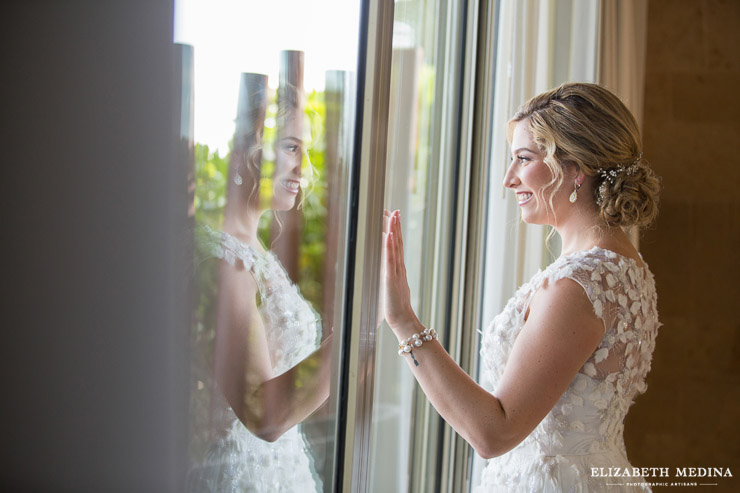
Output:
x,y
510,178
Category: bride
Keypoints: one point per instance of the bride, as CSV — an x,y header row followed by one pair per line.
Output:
x,y
565,359
270,369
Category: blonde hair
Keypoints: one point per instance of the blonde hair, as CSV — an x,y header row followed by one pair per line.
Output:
x,y
587,126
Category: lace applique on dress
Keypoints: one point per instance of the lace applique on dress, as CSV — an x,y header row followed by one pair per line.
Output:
x,y
236,460
585,427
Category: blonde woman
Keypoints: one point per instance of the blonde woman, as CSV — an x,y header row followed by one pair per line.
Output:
x,y
565,359
270,367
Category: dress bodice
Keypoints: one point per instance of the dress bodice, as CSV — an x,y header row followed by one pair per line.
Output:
x,y
292,327
587,421
235,460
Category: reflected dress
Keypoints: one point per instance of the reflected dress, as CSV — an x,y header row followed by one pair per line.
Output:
x,y
236,460
584,430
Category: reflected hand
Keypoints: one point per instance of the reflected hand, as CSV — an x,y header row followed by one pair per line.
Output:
x,y
395,293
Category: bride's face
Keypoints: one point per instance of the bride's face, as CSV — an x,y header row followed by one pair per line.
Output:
x,y
289,150
530,179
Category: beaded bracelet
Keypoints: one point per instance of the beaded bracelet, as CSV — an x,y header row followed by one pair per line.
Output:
x,y
416,340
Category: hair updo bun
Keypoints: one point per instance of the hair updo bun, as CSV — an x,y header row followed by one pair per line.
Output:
x,y
587,126
630,198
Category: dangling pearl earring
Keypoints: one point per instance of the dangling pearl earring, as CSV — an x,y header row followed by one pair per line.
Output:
x,y
574,196
237,177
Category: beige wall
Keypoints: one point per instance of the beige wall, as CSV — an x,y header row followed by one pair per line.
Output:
x,y
690,415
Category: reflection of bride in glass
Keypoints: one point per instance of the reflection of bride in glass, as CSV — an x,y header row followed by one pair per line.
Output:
x,y
269,368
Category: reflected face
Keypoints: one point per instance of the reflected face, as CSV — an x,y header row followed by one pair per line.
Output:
x,y
529,177
286,180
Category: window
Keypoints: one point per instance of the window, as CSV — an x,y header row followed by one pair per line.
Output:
x,y
269,108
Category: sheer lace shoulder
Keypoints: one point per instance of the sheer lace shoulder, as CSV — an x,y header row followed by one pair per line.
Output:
x,y
218,244
623,296
221,245
292,326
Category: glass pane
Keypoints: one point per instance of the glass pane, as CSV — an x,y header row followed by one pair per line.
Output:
x,y
421,143
272,125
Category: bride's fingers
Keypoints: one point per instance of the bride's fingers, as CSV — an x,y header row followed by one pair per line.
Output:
x,y
394,249
390,255
397,251
398,243
395,259
401,252
400,235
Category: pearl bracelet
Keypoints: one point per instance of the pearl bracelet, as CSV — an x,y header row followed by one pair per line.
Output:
x,y
416,340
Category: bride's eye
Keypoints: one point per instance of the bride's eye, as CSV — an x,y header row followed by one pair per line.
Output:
x,y
523,159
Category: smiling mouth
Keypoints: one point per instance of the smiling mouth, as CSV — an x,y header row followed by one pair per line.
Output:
x,y
524,197
291,185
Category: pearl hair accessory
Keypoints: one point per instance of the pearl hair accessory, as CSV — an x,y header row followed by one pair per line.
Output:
x,y
406,346
609,175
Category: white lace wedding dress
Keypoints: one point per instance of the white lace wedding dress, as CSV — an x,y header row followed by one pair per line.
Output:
x,y
584,430
236,460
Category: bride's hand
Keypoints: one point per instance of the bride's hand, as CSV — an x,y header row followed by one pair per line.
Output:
x,y
395,294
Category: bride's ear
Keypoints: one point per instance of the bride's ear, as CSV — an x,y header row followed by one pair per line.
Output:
x,y
573,173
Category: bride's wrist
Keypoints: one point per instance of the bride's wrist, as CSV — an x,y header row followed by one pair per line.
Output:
x,y
407,328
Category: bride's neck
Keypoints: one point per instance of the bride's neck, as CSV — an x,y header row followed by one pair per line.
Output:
x,y
241,222
585,231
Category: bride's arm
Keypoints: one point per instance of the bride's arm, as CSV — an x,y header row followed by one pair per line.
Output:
x,y
560,334
268,406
